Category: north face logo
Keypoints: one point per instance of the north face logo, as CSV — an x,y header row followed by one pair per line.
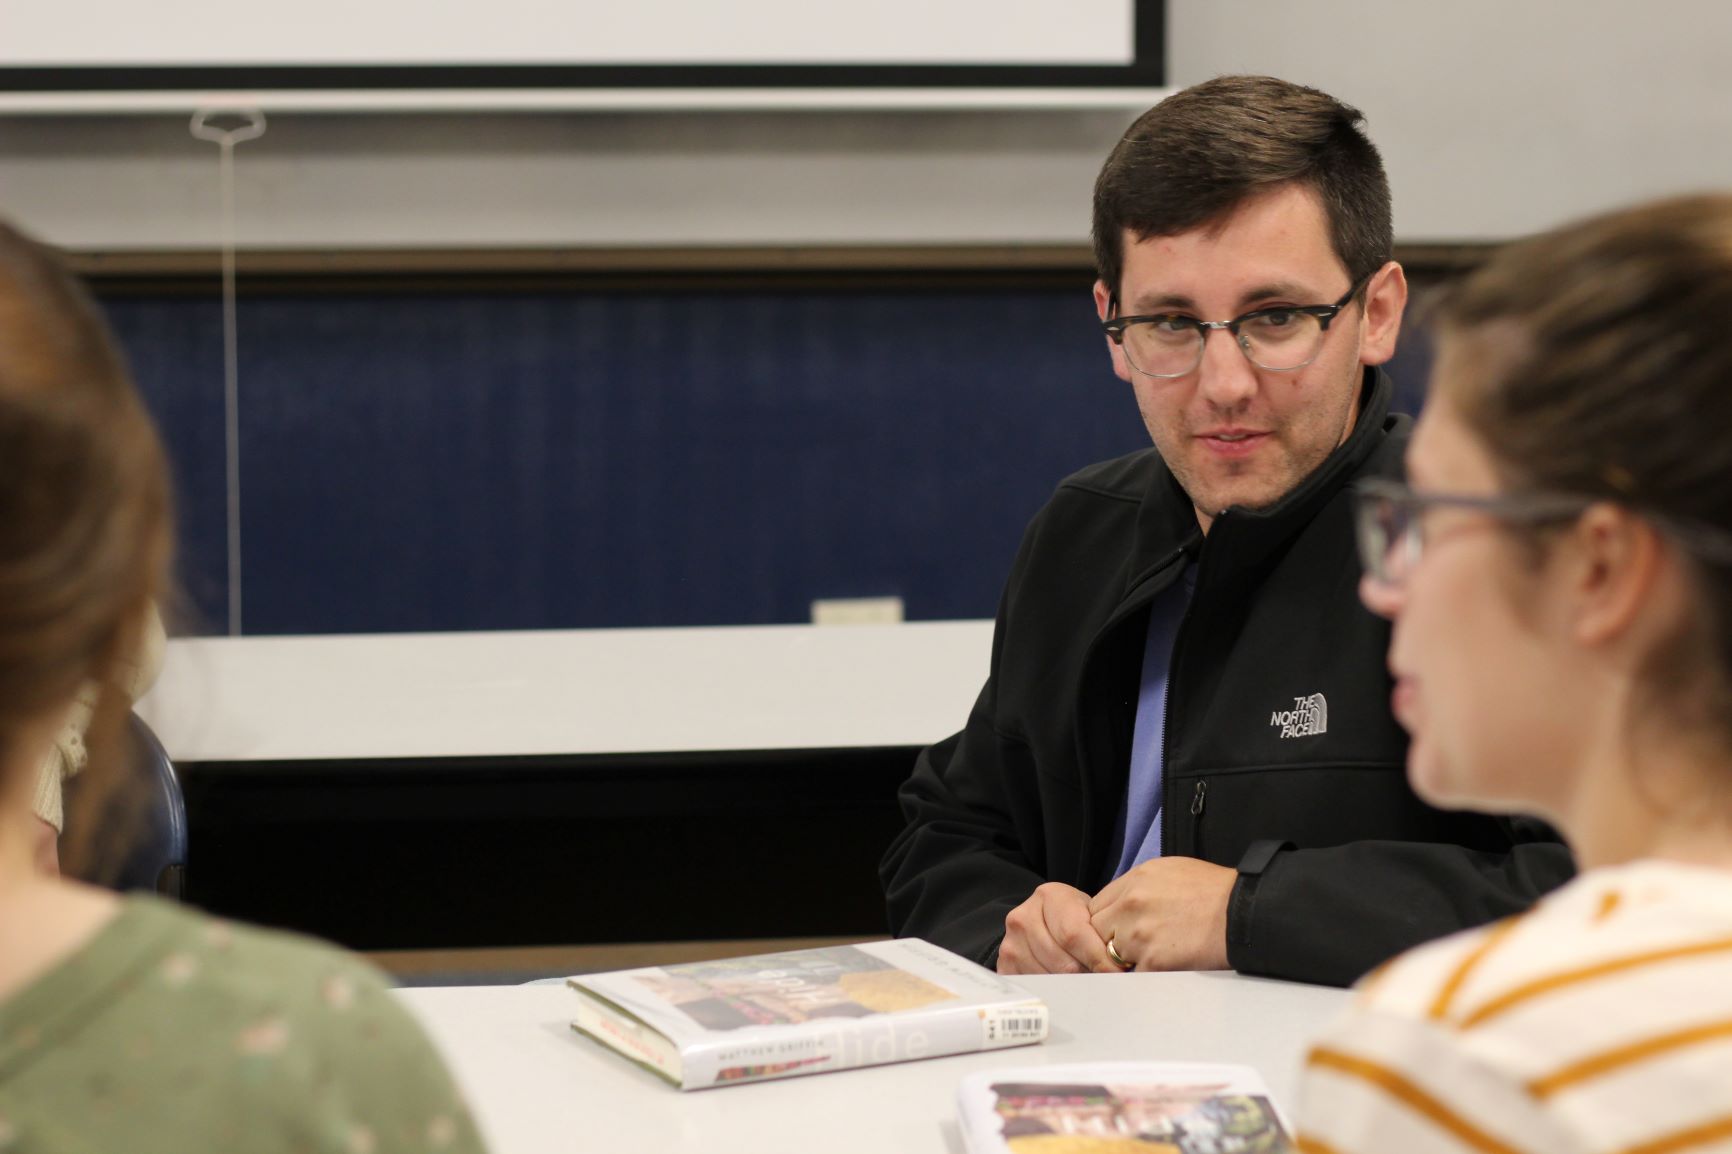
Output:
x,y
1308,717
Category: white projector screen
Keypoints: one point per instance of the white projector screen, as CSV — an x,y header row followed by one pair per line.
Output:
x,y
122,45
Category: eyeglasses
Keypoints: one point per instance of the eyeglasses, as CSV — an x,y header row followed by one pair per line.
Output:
x,y
1390,523
1281,339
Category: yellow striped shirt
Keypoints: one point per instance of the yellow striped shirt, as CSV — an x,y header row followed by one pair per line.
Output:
x,y
1598,1023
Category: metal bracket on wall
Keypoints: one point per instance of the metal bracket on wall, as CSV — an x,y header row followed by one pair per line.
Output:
x,y
226,128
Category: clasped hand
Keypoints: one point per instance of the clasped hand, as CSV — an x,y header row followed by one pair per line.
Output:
x,y
1169,913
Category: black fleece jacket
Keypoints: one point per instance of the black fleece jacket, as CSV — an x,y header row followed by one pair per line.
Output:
x,y
1281,757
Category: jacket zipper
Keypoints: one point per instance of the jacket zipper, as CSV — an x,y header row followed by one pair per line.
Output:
x,y
1198,797
1165,817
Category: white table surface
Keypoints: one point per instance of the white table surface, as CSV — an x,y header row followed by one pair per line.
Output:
x,y
602,691
537,1087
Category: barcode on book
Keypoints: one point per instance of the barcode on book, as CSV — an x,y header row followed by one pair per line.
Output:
x,y
1007,1027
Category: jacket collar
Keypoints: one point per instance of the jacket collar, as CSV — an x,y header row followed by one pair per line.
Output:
x,y
1167,521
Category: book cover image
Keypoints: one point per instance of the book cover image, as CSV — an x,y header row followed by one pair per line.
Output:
x,y
772,989
1144,1118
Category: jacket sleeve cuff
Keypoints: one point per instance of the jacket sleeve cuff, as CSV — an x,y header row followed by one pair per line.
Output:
x,y
1241,906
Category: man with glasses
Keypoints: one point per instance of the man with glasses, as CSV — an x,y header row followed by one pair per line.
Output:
x,y
1183,757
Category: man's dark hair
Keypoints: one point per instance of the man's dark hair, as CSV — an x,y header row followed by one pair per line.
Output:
x,y
1200,153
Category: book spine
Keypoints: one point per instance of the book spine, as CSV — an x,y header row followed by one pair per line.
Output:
x,y
850,1042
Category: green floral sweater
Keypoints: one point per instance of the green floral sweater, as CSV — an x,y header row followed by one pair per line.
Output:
x,y
172,1031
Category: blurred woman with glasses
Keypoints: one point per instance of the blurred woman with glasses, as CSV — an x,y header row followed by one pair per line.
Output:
x,y
132,1023
1559,576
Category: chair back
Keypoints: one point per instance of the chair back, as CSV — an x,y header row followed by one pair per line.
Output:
x,y
155,858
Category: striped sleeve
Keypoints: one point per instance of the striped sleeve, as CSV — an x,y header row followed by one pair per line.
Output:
x,y
1600,1024
1382,1082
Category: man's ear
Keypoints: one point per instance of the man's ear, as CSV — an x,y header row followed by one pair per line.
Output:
x,y
1104,309
1385,302
1620,577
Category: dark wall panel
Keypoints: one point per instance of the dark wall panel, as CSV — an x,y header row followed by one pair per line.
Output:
x,y
174,346
563,459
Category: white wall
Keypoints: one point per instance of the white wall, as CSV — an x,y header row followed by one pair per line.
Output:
x,y
1495,117
568,180
1498,117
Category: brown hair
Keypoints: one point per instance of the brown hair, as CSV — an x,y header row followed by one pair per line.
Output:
x,y
1200,153
1608,376
84,509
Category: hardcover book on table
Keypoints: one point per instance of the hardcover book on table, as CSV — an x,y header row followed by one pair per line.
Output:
x,y
804,1012
1120,1108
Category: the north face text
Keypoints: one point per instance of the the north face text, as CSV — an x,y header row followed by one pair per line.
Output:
x,y
1308,717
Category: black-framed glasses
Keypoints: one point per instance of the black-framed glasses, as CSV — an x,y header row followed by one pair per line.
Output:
x,y
1389,520
1280,339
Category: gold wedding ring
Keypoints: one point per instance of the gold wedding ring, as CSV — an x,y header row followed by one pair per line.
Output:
x,y
1118,959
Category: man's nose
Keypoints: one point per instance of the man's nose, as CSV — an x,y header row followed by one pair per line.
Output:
x,y
1226,378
